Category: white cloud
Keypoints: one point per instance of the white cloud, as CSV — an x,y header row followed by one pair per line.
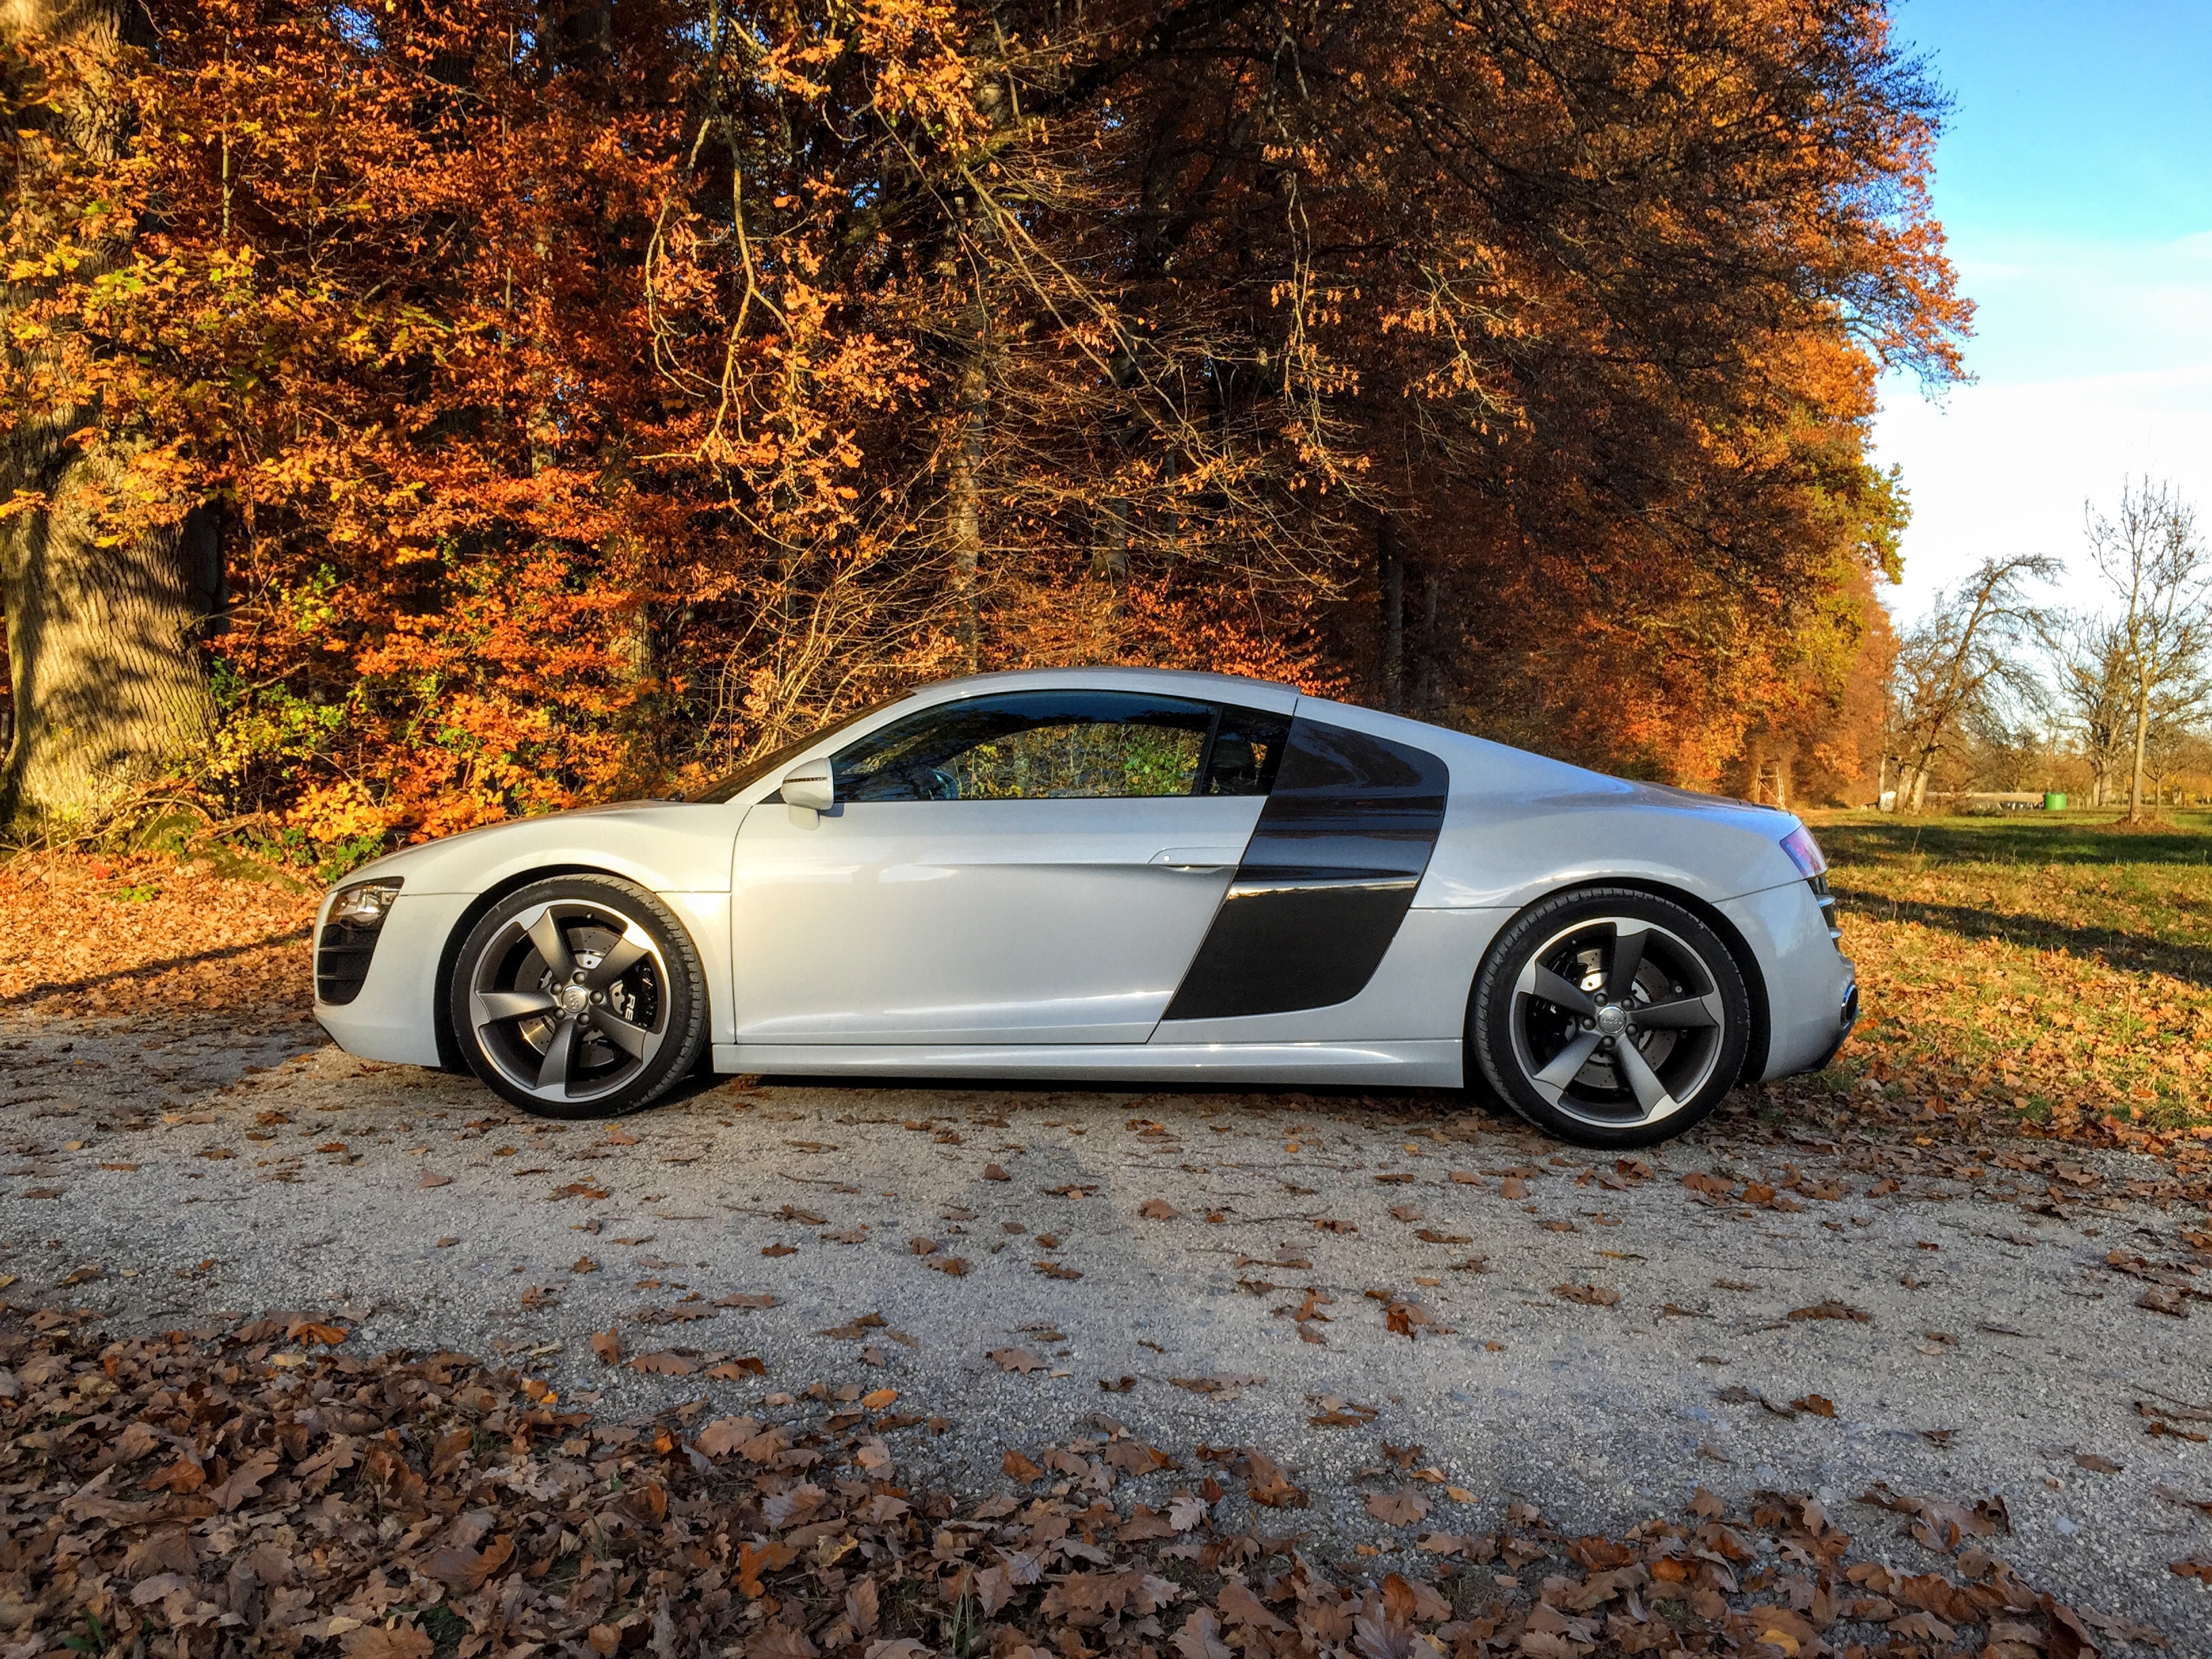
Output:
x,y
2095,362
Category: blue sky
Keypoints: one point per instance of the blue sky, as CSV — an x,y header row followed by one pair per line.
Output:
x,y
2076,183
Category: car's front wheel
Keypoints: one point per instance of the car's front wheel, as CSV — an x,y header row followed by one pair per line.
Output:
x,y
1610,1017
579,996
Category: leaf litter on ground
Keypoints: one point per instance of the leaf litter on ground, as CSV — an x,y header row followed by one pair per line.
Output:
x,y
236,1492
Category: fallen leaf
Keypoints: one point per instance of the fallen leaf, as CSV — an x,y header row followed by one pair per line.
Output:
x,y
430,1179
1397,1508
1158,1209
1591,1296
992,1172
665,1363
1833,1308
780,1250
726,1435
374,1642
1015,1360
607,1344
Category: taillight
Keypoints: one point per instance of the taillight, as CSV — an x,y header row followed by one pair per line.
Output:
x,y
1805,853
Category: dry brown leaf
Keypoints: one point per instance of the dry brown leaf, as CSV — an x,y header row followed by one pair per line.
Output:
x,y
1399,1508
1590,1296
1833,1308
374,1642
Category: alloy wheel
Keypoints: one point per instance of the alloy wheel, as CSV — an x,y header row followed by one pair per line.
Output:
x,y
1617,1022
569,1001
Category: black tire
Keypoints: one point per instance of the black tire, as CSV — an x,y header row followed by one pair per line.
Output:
x,y
548,1025
1548,1025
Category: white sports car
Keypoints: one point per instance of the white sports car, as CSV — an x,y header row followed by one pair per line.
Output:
x,y
1126,875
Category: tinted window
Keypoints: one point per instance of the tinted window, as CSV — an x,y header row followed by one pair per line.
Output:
x,y
1033,745
1247,748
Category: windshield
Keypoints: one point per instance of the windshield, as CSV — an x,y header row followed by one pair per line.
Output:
x,y
760,765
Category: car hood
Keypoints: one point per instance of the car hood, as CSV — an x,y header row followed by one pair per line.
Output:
x,y
663,843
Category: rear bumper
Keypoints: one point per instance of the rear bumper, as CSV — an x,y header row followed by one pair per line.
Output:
x,y
1812,989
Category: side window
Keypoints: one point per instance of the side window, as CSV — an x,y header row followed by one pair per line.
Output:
x,y
1247,748
1036,745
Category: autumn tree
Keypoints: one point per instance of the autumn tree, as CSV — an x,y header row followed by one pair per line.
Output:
x,y
2149,555
1958,661
576,395
106,575
2089,672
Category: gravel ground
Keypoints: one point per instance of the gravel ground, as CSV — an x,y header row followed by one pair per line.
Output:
x,y
1978,1340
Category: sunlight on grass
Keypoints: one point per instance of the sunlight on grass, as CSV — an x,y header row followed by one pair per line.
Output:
x,y
2050,965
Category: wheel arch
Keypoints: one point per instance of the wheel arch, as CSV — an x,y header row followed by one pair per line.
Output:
x,y
441,1014
1731,938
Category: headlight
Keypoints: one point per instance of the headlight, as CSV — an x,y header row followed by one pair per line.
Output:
x,y
365,903
1805,853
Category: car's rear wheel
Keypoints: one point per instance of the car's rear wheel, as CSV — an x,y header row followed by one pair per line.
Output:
x,y
1610,1017
579,996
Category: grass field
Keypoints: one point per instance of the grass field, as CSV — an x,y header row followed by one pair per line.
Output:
x,y
2050,965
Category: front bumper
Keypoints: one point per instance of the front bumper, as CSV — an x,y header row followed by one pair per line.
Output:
x,y
394,1017
1812,989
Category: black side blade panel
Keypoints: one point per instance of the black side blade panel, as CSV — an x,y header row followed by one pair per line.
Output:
x,y
1329,877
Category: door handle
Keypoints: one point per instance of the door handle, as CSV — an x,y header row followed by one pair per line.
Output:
x,y
1199,858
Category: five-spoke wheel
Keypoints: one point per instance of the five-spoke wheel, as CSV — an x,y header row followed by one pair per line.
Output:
x,y
1610,1017
579,996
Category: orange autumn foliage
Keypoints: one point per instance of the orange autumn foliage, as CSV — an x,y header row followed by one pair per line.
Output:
x,y
591,394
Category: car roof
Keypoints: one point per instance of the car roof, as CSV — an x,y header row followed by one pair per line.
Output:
x,y
1189,682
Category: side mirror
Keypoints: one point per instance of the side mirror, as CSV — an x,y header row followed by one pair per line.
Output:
x,y
810,787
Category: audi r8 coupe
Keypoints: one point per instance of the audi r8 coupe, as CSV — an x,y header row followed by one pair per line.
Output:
x,y
1125,875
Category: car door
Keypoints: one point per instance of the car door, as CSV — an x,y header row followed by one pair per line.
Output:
x,y
1030,866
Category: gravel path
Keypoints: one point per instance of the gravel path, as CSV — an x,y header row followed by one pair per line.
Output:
x,y
1379,1295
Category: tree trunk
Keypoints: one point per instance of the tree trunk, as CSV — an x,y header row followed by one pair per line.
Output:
x,y
1392,558
1424,688
107,685
1921,768
2142,739
967,508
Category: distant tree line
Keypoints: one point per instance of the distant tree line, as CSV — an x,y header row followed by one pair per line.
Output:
x,y
423,411
1991,689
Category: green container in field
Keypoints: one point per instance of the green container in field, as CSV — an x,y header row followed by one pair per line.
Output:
x,y
2053,801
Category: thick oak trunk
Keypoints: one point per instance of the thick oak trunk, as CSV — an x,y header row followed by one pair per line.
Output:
x,y
106,682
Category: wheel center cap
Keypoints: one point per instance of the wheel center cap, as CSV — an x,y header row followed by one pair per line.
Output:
x,y
574,999
1612,1020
